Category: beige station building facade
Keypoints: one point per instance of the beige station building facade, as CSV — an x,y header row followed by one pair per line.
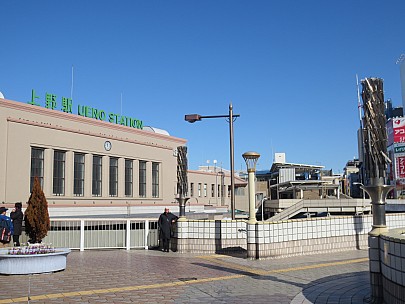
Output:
x,y
89,161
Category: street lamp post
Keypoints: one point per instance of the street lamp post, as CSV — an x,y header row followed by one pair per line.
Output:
x,y
272,186
251,159
196,117
361,186
262,206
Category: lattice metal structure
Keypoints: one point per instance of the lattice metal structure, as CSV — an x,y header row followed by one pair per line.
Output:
x,y
374,129
182,181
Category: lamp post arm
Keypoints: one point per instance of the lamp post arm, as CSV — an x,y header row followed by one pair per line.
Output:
x,y
219,116
197,117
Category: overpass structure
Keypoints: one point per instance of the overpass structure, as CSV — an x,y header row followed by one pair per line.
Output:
x,y
284,209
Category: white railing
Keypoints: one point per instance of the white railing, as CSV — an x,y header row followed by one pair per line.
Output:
x,y
91,233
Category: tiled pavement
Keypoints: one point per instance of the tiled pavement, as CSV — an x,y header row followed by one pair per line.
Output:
x,y
149,276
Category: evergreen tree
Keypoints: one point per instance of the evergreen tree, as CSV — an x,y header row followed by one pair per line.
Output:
x,y
36,215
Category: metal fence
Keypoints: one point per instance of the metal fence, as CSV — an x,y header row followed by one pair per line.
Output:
x,y
101,233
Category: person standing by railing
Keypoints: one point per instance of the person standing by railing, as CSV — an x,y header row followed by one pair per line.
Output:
x,y
165,223
17,218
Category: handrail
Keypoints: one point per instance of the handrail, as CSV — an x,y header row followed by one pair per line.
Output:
x,y
97,233
288,212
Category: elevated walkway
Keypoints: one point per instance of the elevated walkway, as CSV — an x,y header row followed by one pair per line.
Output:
x,y
286,209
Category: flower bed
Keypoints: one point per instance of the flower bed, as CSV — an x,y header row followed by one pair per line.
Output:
x,y
30,249
13,262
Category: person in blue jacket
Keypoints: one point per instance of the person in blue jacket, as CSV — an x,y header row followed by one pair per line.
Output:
x,y
5,222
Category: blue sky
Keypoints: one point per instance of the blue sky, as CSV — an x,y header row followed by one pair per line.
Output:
x,y
288,67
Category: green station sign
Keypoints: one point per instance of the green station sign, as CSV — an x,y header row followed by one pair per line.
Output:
x,y
66,105
400,149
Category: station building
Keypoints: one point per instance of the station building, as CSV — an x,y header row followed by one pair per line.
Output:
x,y
93,159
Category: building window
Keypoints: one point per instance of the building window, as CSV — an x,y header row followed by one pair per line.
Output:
x,y
37,166
59,172
205,190
142,178
113,176
155,179
97,175
128,177
78,175
229,191
191,189
199,189
212,190
219,190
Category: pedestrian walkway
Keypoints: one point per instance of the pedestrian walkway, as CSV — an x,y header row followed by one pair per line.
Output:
x,y
149,276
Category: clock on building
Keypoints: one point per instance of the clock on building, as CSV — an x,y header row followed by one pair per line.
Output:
x,y
107,145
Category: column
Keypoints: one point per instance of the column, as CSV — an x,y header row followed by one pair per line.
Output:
x,y
88,175
121,177
48,172
69,173
105,179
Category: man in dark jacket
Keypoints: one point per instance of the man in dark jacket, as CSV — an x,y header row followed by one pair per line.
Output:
x,y
165,223
17,217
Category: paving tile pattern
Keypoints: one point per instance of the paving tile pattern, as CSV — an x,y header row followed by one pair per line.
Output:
x,y
142,276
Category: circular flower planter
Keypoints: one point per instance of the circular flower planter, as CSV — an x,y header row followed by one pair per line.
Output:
x,y
35,263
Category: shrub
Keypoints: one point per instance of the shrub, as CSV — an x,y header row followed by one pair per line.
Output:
x,y
36,215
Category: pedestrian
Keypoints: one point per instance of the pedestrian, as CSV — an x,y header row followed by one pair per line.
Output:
x,y
5,222
17,217
166,220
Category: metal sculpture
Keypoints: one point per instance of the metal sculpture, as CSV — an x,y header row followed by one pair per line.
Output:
x,y
182,180
375,135
375,149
